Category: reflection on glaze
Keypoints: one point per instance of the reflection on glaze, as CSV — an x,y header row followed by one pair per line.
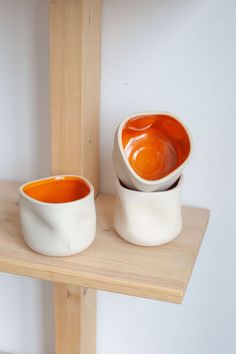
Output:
x,y
155,145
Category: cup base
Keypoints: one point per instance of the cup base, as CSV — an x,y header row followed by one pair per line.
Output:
x,y
55,252
144,243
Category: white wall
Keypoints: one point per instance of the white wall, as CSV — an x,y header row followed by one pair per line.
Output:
x,y
26,321
169,55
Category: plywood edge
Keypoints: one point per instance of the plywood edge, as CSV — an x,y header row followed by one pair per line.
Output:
x,y
205,225
86,280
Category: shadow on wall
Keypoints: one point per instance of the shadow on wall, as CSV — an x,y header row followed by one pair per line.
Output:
x,y
24,90
25,146
42,90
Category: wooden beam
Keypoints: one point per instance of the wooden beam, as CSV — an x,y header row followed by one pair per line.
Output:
x,y
75,314
75,81
74,86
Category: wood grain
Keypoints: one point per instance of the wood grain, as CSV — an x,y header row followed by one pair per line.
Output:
x,y
110,263
74,87
75,319
75,82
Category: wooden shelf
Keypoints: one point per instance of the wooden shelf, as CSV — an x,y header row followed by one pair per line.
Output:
x,y
110,264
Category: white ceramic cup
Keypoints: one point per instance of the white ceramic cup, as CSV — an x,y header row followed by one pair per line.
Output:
x,y
148,219
58,215
126,173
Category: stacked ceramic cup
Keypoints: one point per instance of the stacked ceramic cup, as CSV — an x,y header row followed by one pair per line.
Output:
x,y
149,155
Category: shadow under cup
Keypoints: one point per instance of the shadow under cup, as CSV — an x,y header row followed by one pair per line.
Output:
x,y
58,215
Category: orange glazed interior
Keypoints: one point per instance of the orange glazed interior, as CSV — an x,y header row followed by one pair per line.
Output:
x,y
155,145
58,189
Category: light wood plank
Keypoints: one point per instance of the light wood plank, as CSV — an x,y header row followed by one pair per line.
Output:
x,y
110,263
75,319
75,81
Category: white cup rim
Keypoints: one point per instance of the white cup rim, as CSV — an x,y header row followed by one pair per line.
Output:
x,y
130,168
39,202
179,183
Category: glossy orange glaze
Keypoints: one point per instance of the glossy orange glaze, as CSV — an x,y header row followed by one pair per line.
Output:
x,y
155,145
60,189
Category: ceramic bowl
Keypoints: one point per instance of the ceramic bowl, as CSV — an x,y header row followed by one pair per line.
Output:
x,y
148,219
150,151
57,215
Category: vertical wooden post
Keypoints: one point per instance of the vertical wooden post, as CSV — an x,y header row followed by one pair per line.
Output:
x,y
75,312
75,81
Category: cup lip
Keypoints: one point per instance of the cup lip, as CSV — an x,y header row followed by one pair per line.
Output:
x,y
77,201
127,190
156,182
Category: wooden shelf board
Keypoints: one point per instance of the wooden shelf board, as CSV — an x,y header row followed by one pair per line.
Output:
x,y
110,263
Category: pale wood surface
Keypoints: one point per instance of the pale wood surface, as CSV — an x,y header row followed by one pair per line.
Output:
x,y
75,319
75,81
110,263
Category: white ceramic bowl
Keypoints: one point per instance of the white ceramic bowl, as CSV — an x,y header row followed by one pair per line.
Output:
x,y
127,173
58,219
148,219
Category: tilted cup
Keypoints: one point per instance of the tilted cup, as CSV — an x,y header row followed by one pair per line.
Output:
x,y
148,219
151,150
58,215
